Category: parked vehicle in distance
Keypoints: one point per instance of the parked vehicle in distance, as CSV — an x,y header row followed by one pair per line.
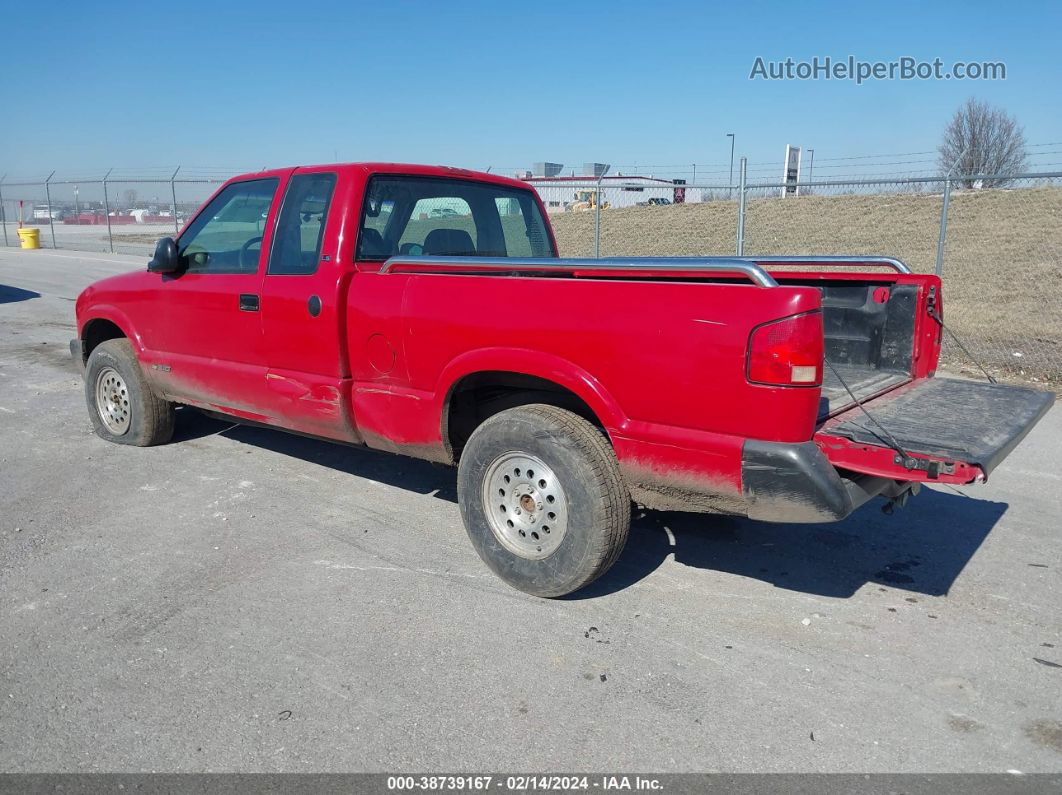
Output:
x,y
331,301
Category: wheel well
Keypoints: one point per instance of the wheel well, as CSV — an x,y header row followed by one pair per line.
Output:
x,y
478,396
97,331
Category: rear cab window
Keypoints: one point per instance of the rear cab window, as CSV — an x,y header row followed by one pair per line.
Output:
x,y
436,216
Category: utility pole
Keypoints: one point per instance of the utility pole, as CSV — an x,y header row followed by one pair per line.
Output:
x,y
811,163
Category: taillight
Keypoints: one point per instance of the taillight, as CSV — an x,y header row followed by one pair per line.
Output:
x,y
787,352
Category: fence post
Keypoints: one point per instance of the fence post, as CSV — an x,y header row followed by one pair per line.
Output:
x,y
741,208
107,210
173,193
597,220
3,212
943,227
48,197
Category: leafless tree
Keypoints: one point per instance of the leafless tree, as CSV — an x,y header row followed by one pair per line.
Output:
x,y
981,139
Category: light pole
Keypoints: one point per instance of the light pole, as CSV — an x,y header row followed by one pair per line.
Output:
x,y
77,208
730,190
811,163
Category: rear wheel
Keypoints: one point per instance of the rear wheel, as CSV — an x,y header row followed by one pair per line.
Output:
x,y
542,499
121,405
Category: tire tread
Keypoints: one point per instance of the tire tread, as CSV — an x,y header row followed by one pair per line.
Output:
x,y
158,417
596,450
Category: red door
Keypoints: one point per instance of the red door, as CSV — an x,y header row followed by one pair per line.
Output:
x,y
302,317
207,351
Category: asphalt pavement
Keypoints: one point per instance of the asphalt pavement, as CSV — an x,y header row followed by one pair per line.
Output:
x,y
246,600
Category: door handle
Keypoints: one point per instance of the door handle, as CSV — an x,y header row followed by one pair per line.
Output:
x,y
248,302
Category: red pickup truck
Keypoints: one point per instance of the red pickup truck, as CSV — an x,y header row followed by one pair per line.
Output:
x,y
425,311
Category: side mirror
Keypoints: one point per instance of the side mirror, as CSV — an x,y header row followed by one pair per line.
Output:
x,y
165,259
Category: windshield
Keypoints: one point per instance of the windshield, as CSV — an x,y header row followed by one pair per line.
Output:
x,y
434,216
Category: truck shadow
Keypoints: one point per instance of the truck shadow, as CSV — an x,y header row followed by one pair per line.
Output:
x,y
922,548
411,474
10,295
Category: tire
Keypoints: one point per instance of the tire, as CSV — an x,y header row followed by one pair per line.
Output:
x,y
554,530
121,405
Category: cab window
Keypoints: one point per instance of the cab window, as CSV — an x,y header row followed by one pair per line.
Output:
x,y
226,236
296,246
434,216
438,216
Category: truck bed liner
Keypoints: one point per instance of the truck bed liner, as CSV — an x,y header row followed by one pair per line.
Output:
x,y
971,421
864,381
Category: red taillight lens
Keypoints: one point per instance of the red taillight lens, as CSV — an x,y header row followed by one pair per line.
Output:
x,y
787,352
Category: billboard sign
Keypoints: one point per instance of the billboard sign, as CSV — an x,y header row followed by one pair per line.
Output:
x,y
791,171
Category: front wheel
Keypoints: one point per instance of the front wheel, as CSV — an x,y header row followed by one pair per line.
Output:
x,y
121,405
542,499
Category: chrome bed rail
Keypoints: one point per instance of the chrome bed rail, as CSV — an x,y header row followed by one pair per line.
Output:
x,y
733,265
886,262
754,268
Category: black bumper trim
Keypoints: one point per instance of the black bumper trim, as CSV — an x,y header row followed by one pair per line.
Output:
x,y
785,482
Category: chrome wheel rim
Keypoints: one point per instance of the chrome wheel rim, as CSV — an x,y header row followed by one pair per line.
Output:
x,y
525,505
112,401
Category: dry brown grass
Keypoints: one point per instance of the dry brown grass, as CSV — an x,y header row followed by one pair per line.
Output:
x,y
1003,261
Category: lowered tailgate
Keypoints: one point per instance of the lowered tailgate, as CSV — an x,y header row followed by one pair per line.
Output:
x,y
950,429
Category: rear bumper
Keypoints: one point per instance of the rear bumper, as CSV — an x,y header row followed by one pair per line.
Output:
x,y
797,483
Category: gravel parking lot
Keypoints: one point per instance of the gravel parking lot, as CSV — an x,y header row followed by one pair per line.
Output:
x,y
246,600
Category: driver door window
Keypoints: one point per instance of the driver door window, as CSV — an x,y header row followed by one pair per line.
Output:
x,y
226,237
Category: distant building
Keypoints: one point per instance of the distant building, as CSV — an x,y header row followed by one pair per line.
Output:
x,y
561,194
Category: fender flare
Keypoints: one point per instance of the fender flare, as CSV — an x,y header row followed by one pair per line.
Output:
x,y
546,366
114,315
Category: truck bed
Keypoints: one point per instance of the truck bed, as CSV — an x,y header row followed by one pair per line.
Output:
x,y
864,380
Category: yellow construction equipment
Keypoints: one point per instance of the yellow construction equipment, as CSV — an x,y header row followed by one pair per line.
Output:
x,y
586,200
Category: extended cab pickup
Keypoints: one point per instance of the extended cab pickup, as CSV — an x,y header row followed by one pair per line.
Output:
x,y
425,311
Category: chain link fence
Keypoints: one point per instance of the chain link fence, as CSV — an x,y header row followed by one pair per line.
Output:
x,y
996,241
119,212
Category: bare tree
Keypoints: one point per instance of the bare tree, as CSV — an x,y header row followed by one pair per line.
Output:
x,y
981,139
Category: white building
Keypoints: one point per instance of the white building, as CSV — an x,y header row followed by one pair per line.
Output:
x,y
561,194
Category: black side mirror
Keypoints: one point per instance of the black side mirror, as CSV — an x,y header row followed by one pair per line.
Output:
x,y
165,259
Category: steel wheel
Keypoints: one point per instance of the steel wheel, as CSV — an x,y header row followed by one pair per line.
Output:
x,y
112,401
525,505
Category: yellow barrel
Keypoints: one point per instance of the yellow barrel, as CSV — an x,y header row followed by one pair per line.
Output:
x,y
30,237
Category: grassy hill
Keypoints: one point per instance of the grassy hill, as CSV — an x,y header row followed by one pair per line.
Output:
x,y
1002,264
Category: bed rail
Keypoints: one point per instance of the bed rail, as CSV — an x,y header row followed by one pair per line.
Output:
x,y
733,265
884,262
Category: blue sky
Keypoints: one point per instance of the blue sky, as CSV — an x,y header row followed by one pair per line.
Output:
x,y
235,84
